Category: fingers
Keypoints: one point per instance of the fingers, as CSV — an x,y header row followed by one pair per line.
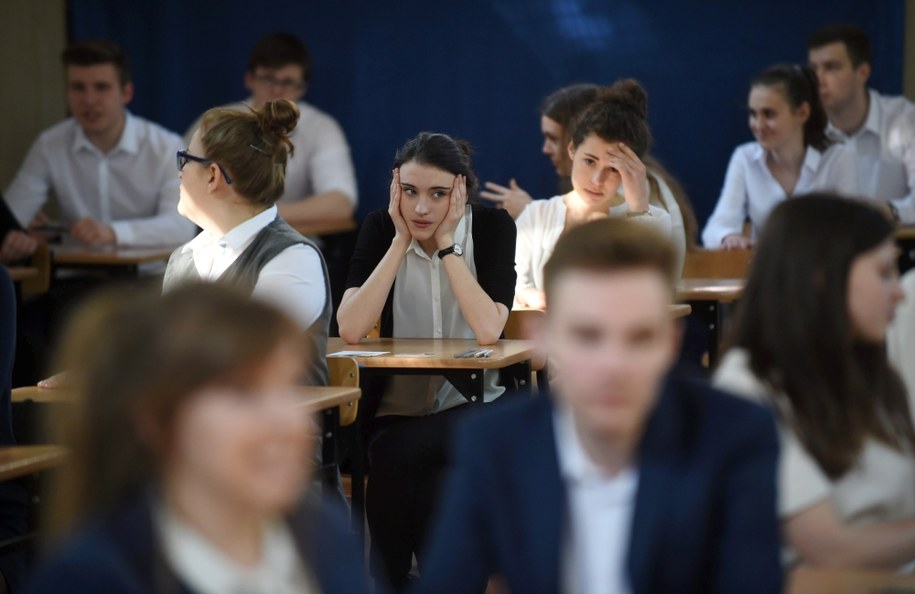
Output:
x,y
498,188
16,246
624,159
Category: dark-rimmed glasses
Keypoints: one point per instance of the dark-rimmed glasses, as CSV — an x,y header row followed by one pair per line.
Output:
x,y
183,157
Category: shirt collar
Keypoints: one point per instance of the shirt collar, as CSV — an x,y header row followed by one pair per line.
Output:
x,y
238,238
128,143
871,123
812,157
575,465
460,234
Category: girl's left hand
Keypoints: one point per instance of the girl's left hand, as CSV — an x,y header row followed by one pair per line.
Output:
x,y
444,235
634,175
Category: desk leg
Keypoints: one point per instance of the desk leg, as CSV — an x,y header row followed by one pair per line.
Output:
x,y
329,448
518,376
469,382
709,313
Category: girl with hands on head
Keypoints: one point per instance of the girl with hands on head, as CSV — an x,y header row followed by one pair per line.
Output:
x,y
608,142
433,264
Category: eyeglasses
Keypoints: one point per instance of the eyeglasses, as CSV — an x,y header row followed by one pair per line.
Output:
x,y
183,157
286,84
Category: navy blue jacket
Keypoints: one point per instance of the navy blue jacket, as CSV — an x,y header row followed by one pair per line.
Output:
x,y
120,553
705,519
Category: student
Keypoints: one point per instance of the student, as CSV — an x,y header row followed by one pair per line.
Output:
x,y
791,156
620,479
108,170
558,113
809,342
608,140
189,455
878,129
232,174
900,341
320,184
433,265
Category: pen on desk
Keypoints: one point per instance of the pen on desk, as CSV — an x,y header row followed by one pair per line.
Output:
x,y
482,353
465,354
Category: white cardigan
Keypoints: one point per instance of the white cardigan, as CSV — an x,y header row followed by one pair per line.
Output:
x,y
542,222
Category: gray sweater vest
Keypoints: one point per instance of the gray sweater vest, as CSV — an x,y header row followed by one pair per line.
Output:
x,y
243,273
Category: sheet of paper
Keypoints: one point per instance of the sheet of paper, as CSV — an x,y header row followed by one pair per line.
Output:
x,y
359,353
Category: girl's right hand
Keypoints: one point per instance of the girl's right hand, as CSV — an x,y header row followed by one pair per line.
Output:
x,y
400,225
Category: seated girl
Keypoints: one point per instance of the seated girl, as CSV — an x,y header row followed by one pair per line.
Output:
x,y
232,174
190,455
608,141
791,156
809,342
557,114
432,265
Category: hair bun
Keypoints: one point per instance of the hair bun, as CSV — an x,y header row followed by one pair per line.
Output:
x,y
464,146
277,119
627,93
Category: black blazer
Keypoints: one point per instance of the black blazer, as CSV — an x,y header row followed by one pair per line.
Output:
x,y
120,553
705,518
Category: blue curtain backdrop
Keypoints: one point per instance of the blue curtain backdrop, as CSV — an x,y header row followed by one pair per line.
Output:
x,y
479,68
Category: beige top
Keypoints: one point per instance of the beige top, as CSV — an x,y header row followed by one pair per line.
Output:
x,y
900,341
879,488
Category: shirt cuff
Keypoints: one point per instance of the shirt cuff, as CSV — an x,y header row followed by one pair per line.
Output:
x,y
123,233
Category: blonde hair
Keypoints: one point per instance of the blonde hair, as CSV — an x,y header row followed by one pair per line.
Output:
x,y
252,146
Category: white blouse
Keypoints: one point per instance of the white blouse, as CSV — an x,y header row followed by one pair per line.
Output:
x,y
425,307
540,225
750,189
900,340
879,488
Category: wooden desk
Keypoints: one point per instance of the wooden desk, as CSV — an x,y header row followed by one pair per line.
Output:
x,y
327,397
822,581
122,261
409,356
905,239
906,232
42,395
21,273
710,298
325,227
19,461
680,310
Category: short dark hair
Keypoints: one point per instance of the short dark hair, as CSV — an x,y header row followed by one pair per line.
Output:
x,y
280,49
94,51
855,39
618,114
610,245
442,152
799,85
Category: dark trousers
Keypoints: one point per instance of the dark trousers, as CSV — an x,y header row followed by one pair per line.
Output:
x,y
407,459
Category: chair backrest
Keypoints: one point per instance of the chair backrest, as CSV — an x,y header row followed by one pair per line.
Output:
x,y
344,371
39,285
717,263
521,325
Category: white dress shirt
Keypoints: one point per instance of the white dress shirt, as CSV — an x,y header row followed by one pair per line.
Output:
x,y
600,511
750,189
885,150
134,187
880,487
321,160
540,225
424,306
292,281
207,570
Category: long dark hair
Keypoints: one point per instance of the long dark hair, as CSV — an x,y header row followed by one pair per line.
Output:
x,y
793,320
442,152
799,85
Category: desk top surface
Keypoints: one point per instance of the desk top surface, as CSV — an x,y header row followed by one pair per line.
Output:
x,y
430,353
108,256
823,581
17,461
21,273
712,289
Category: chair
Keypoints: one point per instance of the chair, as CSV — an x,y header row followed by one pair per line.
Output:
x,y
40,284
344,371
521,325
717,264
